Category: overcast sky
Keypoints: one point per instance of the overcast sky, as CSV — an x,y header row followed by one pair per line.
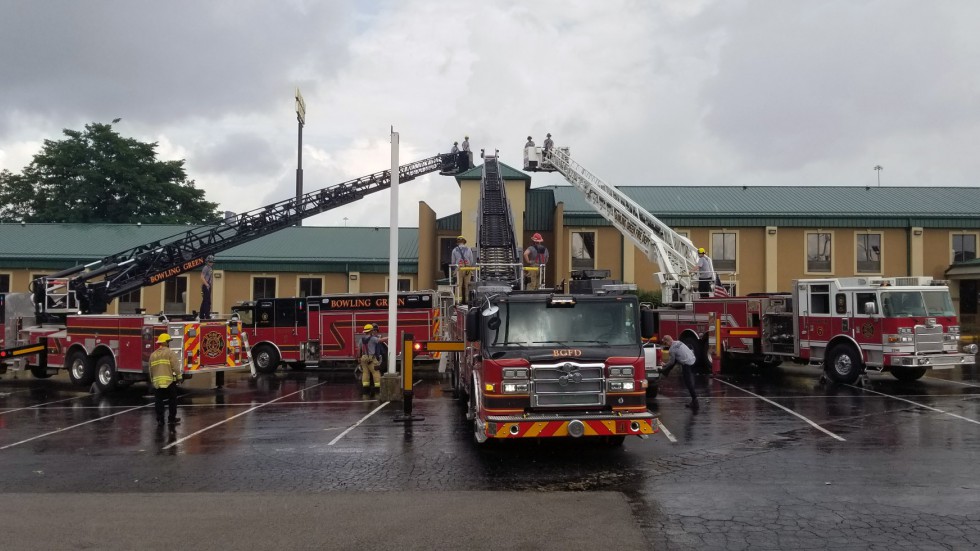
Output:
x,y
686,92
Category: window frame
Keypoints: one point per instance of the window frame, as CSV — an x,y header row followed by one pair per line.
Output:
x,y
711,252
595,247
10,281
163,294
952,251
409,279
881,252
251,286
139,303
806,252
299,285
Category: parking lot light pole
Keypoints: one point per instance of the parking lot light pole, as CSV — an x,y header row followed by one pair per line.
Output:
x,y
301,121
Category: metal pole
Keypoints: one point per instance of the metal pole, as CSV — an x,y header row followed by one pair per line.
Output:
x,y
393,255
299,171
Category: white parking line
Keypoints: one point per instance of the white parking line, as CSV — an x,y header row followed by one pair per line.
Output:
x,y
249,410
39,405
666,432
73,426
787,410
930,408
354,426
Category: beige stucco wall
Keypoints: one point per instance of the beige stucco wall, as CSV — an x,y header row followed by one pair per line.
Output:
x,y
428,246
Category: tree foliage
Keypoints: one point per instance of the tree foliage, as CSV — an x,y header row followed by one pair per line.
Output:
x,y
96,175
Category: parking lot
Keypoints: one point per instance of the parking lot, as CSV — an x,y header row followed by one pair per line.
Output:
x,y
773,460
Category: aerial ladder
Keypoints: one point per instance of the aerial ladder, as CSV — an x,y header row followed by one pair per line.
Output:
x,y
90,288
675,254
500,260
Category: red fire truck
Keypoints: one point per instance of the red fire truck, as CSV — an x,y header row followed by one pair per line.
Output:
x,y
904,325
61,323
325,329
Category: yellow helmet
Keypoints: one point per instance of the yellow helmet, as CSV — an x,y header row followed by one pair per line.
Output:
x,y
368,328
163,338
700,250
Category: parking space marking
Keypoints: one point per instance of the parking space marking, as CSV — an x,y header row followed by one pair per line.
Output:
x,y
952,381
44,404
930,408
787,410
354,426
237,415
63,429
666,432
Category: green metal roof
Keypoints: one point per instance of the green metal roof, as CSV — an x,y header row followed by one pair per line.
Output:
x,y
307,248
507,172
452,222
539,210
824,206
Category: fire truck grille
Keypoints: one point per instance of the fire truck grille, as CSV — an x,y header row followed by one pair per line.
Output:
x,y
928,339
567,384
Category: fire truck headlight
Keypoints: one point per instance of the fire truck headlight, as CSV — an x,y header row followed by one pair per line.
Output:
x,y
954,329
621,386
970,349
626,371
904,329
515,388
515,373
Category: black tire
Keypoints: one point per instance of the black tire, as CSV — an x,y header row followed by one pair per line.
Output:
x,y
106,376
81,368
770,365
652,391
843,364
908,374
701,363
41,372
297,366
266,358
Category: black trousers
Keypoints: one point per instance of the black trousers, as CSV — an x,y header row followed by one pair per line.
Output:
x,y
163,394
688,374
205,302
704,288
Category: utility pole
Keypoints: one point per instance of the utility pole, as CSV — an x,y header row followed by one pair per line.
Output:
x,y
301,121
878,170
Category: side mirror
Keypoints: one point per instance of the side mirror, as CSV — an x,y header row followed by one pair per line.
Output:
x,y
648,323
869,309
473,325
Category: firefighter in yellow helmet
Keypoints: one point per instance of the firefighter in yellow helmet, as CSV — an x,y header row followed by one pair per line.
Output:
x,y
706,273
370,357
164,375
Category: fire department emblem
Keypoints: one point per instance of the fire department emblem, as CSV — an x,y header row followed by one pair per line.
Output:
x,y
868,329
213,345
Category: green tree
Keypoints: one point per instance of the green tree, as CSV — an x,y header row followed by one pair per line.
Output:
x,y
99,176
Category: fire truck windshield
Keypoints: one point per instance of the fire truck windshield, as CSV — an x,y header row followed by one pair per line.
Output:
x,y
898,304
532,325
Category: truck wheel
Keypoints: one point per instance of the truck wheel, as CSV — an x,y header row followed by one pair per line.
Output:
x,y
266,358
40,372
701,364
652,391
106,376
843,364
908,374
81,368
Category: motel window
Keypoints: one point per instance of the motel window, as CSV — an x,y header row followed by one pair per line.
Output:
x,y
404,284
964,246
4,283
130,302
868,253
310,286
263,287
583,250
723,251
819,253
446,246
175,295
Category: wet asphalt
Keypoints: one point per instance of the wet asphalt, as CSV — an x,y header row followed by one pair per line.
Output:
x,y
772,460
